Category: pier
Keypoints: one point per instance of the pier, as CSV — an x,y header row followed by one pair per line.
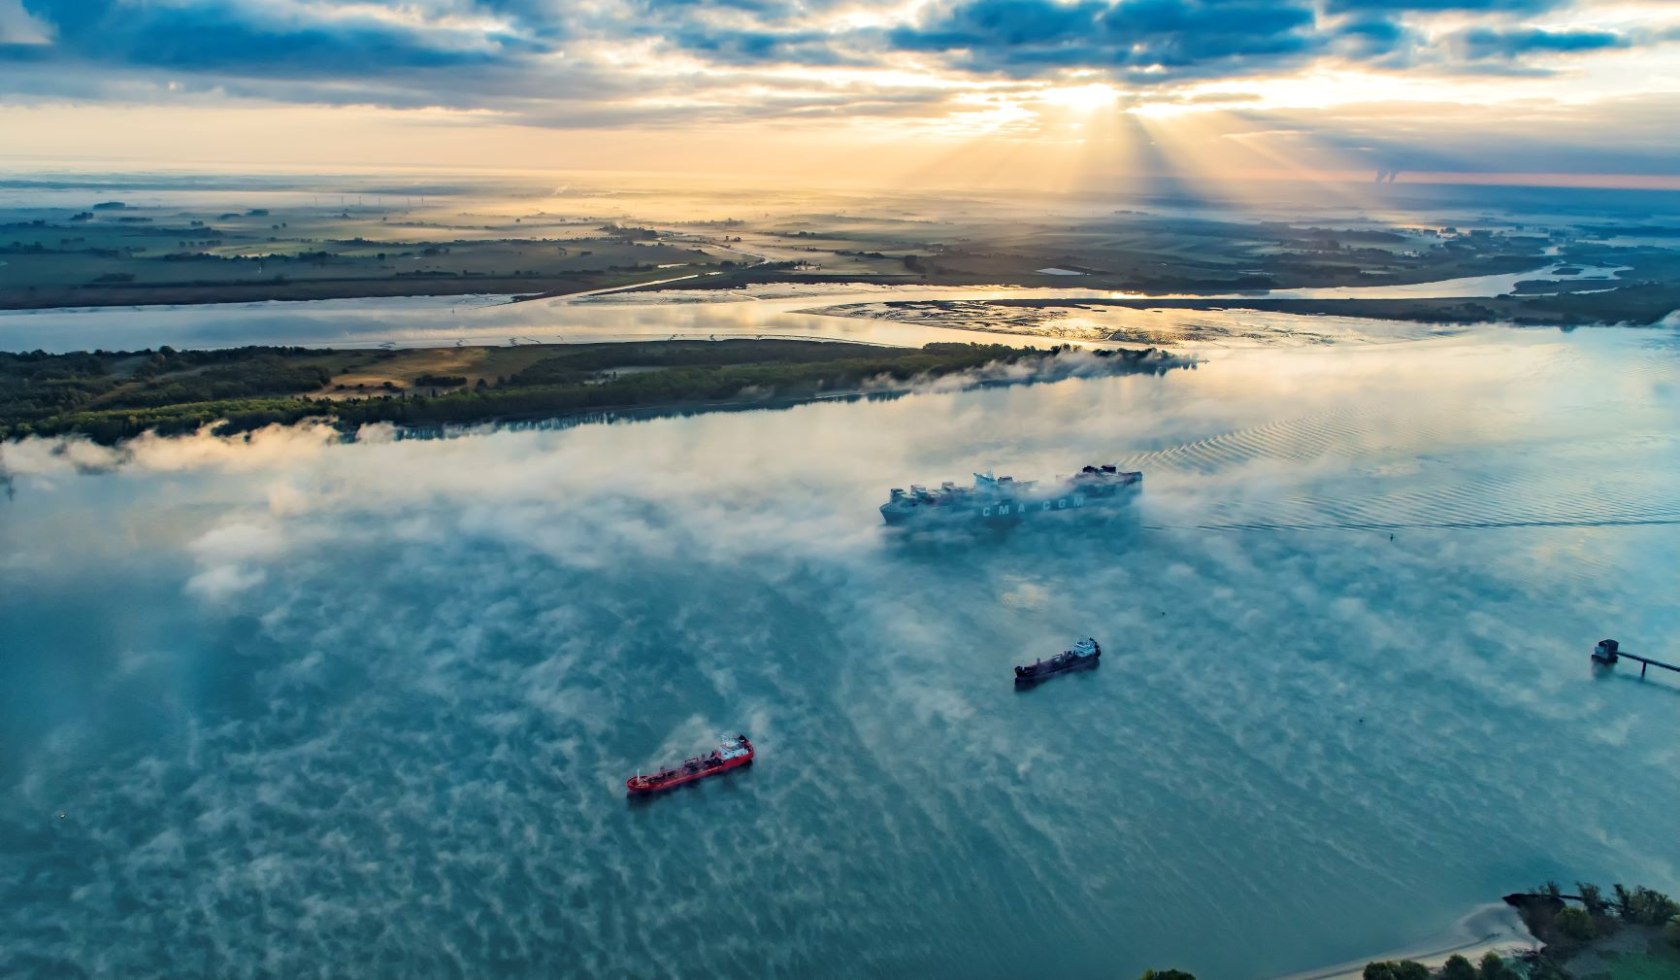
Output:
x,y
1609,651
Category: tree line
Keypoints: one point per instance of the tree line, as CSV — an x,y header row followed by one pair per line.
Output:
x,y
112,396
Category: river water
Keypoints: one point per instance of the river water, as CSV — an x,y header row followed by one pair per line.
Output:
x,y
769,311
293,706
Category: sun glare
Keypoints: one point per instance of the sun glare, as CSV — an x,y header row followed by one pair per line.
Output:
x,y
1082,98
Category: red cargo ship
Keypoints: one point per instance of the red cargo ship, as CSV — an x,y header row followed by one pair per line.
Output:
x,y
732,753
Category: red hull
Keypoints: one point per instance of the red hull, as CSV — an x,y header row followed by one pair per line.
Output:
x,y
728,758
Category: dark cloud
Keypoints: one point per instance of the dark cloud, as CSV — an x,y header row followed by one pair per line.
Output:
x,y
220,37
1485,42
757,47
1374,39
1163,37
25,52
763,8
1440,6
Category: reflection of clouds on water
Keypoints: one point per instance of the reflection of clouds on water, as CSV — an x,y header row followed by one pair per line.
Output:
x,y
388,726
779,311
1090,322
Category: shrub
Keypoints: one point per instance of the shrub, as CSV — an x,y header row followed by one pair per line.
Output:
x,y
1575,924
440,380
1651,908
1457,968
1392,970
1592,897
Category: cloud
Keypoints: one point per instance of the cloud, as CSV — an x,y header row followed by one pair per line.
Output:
x,y
259,450
248,41
660,64
1375,40
222,582
1442,6
1483,43
18,28
1138,39
718,70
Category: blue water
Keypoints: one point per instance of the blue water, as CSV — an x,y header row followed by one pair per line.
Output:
x,y
294,707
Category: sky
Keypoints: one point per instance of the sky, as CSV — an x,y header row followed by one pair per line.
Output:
x,y
1052,93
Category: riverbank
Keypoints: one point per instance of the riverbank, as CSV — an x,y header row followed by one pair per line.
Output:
x,y
89,296
1594,934
1492,928
1642,304
1628,934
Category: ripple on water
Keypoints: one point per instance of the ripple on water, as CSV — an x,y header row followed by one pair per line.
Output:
x,y
394,742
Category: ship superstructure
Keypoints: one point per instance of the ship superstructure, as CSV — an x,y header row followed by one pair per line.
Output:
x,y
1086,653
1004,500
732,752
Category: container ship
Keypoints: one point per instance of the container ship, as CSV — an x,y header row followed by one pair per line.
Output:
x,y
732,753
1085,654
1004,500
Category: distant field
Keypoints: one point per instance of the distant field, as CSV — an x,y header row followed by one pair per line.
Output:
x,y
148,253
1637,305
139,256
175,293
1133,254
1645,292
298,244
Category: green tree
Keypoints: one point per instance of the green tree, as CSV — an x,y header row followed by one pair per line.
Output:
x,y
1592,897
1651,908
1396,970
1575,924
1457,968
1493,968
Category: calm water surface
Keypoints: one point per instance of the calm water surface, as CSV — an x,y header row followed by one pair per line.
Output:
x,y
296,707
770,311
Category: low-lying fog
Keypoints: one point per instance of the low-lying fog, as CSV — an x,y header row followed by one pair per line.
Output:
x,y
270,706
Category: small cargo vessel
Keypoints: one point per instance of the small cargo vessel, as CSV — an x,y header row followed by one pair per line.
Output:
x,y
1086,653
732,752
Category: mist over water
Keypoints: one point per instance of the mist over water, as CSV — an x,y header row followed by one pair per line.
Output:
x,y
313,707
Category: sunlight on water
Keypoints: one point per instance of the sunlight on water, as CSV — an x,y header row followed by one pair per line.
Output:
x,y
775,310
372,704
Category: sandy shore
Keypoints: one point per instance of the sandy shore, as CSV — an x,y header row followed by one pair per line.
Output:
x,y
1495,927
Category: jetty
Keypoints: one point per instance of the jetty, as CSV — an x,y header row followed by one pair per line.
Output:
x,y
1609,651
